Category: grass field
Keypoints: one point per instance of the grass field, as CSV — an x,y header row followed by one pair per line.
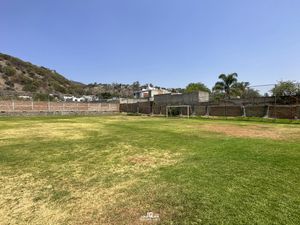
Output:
x,y
115,169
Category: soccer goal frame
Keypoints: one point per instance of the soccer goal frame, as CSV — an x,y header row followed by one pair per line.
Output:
x,y
188,107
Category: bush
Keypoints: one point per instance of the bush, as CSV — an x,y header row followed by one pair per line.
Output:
x,y
42,97
9,71
31,87
9,83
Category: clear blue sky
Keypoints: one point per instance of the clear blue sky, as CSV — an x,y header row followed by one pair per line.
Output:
x,y
166,42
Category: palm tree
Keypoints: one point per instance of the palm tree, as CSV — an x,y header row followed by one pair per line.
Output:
x,y
226,84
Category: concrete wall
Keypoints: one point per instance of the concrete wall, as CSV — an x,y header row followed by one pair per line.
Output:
x,y
239,102
282,111
279,111
55,113
256,111
200,110
225,111
141,107
181,99
159,109
132,100
31,106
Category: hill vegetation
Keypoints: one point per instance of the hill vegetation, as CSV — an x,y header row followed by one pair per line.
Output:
x,y
18,76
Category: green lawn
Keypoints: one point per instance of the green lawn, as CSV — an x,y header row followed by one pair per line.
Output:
x,y
115,169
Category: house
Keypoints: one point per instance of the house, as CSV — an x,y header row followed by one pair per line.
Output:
x,y
73,99
25,97
80,99
68,98
90,98
84,98
149,92
182,99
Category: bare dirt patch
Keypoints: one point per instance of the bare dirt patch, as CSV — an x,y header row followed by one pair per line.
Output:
x,y
254,131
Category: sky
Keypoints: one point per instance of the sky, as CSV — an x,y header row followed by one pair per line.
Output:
x,y
168,43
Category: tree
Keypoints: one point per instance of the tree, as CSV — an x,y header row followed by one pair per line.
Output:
x,y
196,87
251,93
177,90
226,85
243,90
136,86
106,95
286,88
240,88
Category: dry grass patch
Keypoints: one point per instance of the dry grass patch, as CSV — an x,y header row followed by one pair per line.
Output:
x,y
18,205
127,159
90,206
58,131
153,159
254,131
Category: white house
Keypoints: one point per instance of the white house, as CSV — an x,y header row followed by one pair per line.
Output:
x,y
25,97
73,99
150,92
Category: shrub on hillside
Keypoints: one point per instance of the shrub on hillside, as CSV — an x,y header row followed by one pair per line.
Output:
x,y
57,87
31,85
9,83
42,97
9,71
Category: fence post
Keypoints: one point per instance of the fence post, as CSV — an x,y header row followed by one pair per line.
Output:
x,y
31,104
167,111
13,105
275,108
48,106
207,109
225,109
63,106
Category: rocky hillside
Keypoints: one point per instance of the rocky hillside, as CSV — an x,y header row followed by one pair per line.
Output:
x,y
17,75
